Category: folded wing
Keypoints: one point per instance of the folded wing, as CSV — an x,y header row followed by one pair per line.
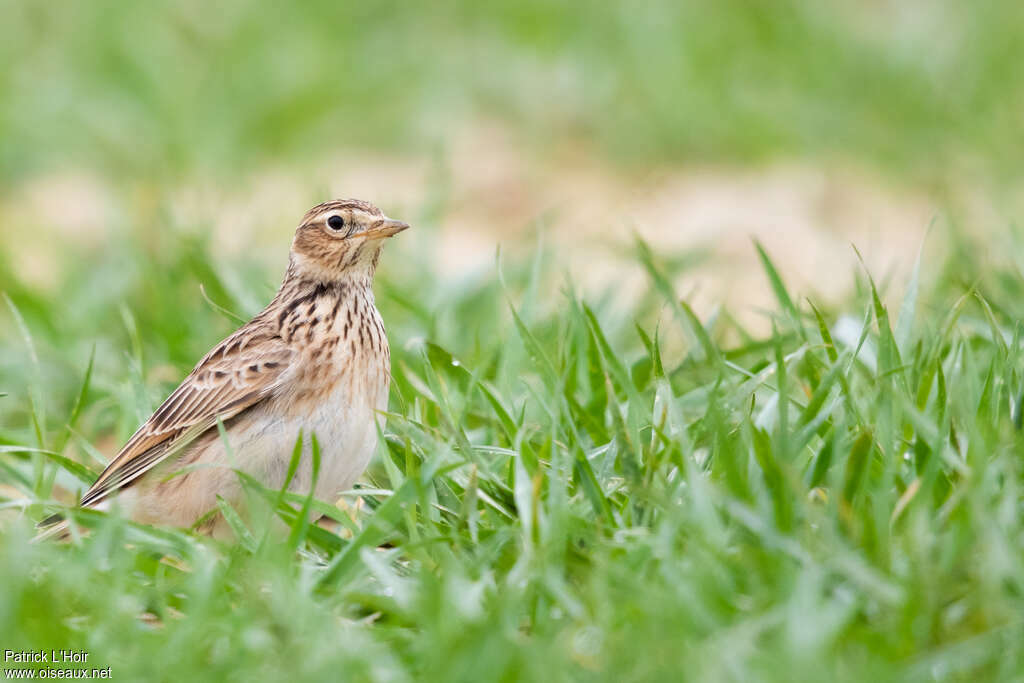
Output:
x,y
240,372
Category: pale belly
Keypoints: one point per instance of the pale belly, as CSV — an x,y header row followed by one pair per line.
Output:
x,y
261,442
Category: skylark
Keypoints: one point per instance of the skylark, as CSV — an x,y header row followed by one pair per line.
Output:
x,y
316,359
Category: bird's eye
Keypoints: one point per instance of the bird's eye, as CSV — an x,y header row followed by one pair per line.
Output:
x,y
336,222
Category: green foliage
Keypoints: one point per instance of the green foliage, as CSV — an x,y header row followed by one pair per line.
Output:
x,y
164,88
565,490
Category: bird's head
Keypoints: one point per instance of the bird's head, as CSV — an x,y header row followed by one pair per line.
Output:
x,y
341,238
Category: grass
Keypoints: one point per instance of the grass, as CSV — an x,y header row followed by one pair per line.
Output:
x,y
567,491
915,89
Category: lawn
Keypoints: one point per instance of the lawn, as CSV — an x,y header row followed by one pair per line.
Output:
x,y
573,484
916,89
559,497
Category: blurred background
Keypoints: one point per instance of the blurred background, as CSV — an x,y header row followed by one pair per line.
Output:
x,y
150,148
156,156
697,125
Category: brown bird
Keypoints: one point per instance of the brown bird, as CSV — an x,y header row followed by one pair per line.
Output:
x,y
315,360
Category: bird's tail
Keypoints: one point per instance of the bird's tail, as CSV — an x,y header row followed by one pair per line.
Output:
x,y
55,526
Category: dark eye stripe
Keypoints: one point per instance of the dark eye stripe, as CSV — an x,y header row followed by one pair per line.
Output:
x,y
336,222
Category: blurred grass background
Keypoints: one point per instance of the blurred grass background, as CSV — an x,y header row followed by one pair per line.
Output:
x,y
925,89
617,493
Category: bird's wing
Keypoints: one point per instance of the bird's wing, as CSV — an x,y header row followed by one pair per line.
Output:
x,y
237,374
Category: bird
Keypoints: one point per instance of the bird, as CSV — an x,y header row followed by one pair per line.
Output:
x,y
315,363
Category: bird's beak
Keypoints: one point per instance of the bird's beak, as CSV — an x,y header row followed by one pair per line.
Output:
x,y
389,227
386,227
